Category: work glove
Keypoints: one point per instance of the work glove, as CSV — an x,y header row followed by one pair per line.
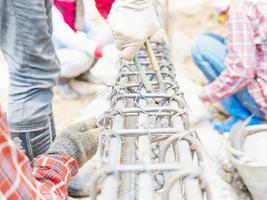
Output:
x,y
205,96
84,43
160,36
110,52
78,141
132,22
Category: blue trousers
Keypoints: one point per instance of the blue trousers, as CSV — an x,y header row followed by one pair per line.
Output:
x,y
26,41
209,53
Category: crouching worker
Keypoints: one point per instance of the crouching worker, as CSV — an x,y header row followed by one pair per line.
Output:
x,y
48,176
78,43
236,66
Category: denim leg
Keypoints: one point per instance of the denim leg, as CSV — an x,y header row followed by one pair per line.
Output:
x,y
33,67
48,6
246,100
209,53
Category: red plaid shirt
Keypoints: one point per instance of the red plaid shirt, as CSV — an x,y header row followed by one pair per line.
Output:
x,y
246,64
46,178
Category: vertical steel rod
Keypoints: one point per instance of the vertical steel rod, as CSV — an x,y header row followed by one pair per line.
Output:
x,y
111,183
145,181
142,74
192,187
128,181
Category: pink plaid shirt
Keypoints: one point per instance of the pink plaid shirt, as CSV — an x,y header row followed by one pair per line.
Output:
x,y
46,178
246,64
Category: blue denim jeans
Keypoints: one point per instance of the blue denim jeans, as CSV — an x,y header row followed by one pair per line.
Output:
x,y
209,53
25,38
26,41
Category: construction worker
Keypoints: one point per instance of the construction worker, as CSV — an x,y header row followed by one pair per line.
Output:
x,y
26,41
132,22
48,176
235,65
78,44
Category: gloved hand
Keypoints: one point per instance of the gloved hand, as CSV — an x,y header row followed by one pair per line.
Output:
x,y
78,141
82,42
110,52
160,36
204,96
132,22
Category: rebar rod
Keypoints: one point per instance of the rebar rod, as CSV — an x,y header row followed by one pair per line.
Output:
x,y
142,74
190,173
128,181
191,186
128,189
145,182
111,183
147,146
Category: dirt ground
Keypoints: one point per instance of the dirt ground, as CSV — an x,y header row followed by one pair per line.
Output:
x,y
189,20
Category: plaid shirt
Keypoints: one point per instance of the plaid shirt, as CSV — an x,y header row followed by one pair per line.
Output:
x,y
46,178
246,64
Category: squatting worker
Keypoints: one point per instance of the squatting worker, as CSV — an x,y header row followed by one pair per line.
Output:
x,y
236,66
33,66
47,177
79,45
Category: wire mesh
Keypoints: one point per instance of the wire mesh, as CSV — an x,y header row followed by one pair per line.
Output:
x,y
147,150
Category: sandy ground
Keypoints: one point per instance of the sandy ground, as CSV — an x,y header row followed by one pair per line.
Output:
x,y
190,19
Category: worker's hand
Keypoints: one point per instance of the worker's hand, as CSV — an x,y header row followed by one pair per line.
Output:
x,y
160,36
78,141
204,96
110,52
132,22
